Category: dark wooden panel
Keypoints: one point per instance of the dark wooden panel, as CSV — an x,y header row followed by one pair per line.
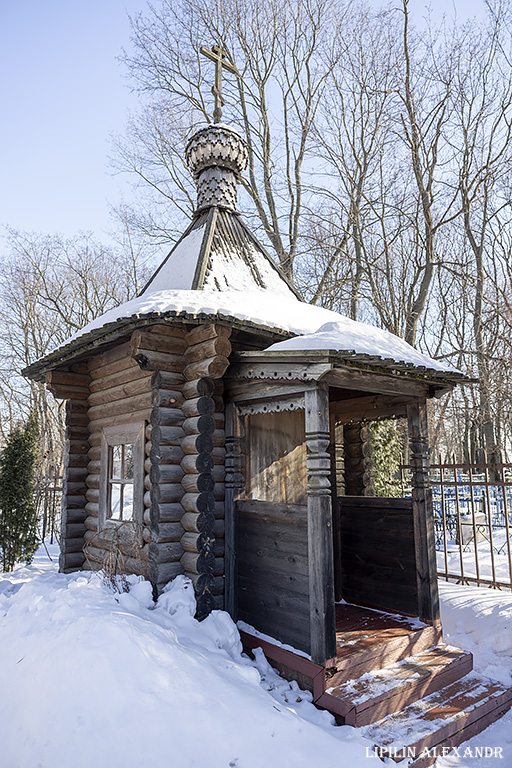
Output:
x,y
272,560
377,553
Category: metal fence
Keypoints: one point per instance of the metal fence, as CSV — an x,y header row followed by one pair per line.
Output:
x,y
48,503
473,522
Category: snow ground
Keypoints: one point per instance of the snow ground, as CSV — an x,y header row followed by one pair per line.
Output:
x,y
90,677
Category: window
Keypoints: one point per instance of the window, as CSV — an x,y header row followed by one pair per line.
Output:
x,y
122,474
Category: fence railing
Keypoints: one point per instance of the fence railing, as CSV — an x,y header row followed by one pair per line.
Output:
x,y
48,503
473,522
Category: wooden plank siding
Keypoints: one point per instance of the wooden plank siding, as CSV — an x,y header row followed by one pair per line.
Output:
x,y
377,553
273,581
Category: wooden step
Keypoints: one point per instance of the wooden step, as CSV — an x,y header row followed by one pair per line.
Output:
x,y
367,650
382,692
442,720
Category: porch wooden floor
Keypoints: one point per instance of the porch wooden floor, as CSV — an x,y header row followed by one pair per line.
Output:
x,y
396,680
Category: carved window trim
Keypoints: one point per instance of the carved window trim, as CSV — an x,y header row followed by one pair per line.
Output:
x,y
122,435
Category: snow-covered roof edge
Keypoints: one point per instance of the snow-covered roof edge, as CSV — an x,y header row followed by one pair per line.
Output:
x,y
256,310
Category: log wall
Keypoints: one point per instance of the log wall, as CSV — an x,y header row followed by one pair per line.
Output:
x,y
273,570
120,393
377,553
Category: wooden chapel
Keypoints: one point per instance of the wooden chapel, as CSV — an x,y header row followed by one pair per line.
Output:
x,y
191,415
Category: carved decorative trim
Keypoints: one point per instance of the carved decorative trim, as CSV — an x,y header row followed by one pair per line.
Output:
x,y
281,371
294,403
318,463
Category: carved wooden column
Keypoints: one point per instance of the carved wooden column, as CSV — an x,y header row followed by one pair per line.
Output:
x,y
358,460
320,544
423,514
235,482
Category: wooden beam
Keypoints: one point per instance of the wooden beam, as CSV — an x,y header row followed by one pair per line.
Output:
x,y
320,526
423,514
368,381
370,407
234,484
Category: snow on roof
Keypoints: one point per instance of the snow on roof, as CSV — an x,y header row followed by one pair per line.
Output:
x,y
179,268
315,327
218,252
345,334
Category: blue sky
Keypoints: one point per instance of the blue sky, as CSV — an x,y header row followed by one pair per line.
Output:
x,y
62,94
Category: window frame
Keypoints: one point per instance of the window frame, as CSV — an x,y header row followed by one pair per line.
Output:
x,y
123,434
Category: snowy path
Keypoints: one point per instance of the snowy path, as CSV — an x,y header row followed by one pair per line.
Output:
x,y
92,678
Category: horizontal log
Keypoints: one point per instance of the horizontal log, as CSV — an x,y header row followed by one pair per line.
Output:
x,y
150,340
198,523
92,494
126,405
146,534
219,454
217,583
194,562
219,473
148,360
206,331
200,503
72,561
68,377
211,367
197,463
193,444
89,536
219,491
166,417
200,483
162,573
72,544
121,418
199,406
169,328
219,345
198,388
168,552
73,487
78,461
219,438
167,380
218,400
100,555
73,408
166,513
166,494
218,509
117,352
91,523
163,532
219,420
78,502
132,388
92,481
218,528
118,378
74,515
167,435
67,391
74,530
119,366
93,467
92,508
164,454
77,447
166,473
167,398
199,425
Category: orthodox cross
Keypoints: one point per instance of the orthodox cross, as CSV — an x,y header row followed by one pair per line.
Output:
x,y
219,57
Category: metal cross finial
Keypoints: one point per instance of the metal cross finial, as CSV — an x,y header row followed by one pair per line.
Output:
x,y
218,56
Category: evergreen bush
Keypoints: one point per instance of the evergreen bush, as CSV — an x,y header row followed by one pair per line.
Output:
x,y
18,513
388,442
